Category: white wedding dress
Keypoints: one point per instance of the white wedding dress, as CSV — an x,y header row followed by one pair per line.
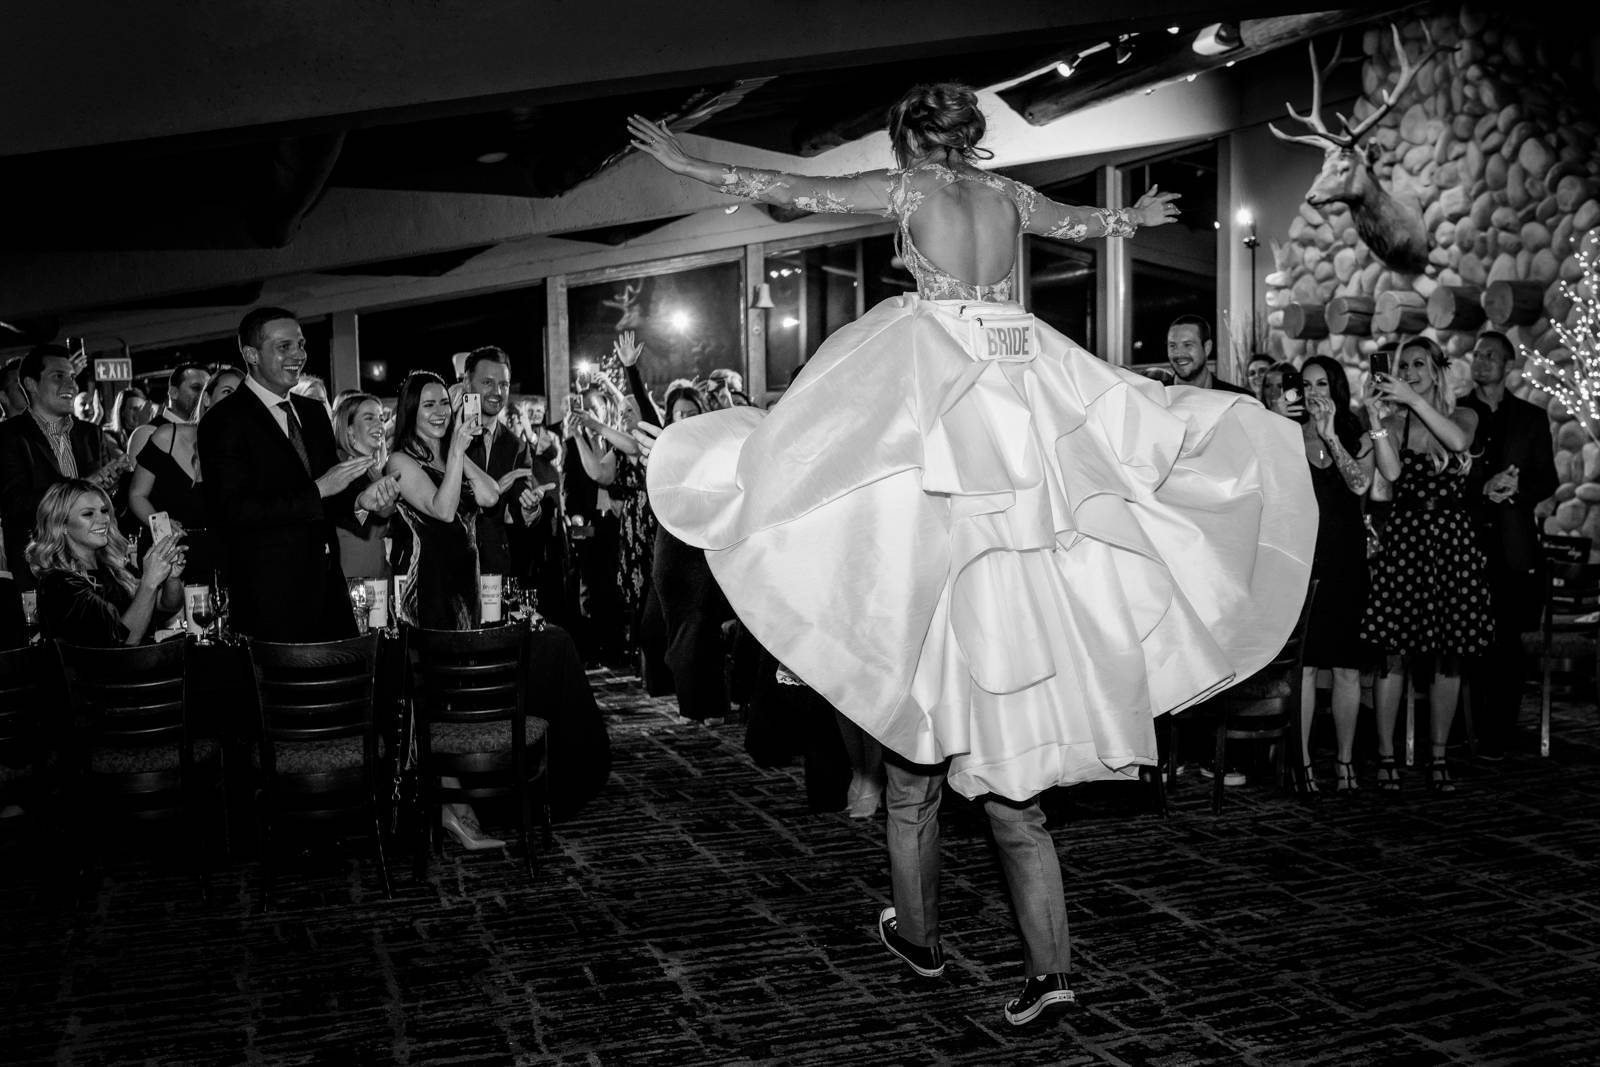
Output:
x,y
982,543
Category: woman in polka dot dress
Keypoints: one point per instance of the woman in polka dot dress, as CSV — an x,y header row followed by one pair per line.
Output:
x,y
1429,597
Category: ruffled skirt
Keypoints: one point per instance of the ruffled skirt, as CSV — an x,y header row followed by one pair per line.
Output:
x,y
981,543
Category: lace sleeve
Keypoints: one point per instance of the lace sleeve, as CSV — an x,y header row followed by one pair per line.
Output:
x,y
850,194
1064,222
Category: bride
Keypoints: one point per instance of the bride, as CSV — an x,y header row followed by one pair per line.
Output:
x,y
999,555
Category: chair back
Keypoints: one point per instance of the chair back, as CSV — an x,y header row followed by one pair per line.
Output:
x,y
1276,687
314,693
128,697
1574,590
469,677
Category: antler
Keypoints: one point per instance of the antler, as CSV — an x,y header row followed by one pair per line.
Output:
x,y
1408,71
1320,135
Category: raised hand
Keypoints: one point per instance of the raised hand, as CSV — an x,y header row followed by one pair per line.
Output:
x,y
163,561
645,433
627,348
658,142
1322,411
1156,208
466,430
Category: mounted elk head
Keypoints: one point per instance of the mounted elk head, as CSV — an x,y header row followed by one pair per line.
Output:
x,y
1391,228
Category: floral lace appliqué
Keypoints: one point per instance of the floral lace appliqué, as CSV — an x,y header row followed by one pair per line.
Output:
x,y
747,183
826,202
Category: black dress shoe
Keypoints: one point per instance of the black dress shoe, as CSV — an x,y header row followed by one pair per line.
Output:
x,y
926,960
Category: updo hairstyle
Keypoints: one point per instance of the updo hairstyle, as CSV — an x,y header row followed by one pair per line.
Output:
x,y
941,115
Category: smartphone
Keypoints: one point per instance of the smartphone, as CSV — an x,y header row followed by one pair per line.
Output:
x,y
472,408
574,403
1379,362
160,526
1294,392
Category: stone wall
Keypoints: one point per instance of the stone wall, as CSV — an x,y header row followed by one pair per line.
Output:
x,y
1496,141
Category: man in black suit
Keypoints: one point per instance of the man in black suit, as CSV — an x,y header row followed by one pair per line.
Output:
x,y
1514,473
1189,349
42,446
505,457
272,486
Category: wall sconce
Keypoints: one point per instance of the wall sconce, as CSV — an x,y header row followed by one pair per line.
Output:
x,y
1247,219
763,297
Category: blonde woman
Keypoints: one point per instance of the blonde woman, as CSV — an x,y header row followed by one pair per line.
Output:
x,y
88,592
358,430
1429,596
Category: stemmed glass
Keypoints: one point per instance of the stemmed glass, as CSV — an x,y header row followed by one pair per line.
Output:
x,y
511,598
219,607
205,613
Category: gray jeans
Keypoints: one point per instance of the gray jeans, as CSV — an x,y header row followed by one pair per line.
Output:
x,y
1027,855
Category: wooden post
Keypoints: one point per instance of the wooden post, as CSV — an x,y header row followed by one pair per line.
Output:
x,y
1305,322
1514,303
557,358
755,324
1456,307
1400,312
1350,316
344,360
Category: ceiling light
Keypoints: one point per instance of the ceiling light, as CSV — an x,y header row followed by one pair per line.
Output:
x,y
679,320
1217,38
1172,29
1192,77
1066,67
731,208
494,157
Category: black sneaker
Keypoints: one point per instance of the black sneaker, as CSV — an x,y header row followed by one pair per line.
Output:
x,y
1038,993
926,961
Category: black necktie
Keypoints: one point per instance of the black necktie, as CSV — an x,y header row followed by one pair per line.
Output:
x,y
295,439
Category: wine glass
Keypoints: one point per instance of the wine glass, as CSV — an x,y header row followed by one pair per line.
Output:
x,y
511,597
219,607
204,613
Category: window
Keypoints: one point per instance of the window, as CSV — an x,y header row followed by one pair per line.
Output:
x,y
1062,275
1174,267
818,289
690,320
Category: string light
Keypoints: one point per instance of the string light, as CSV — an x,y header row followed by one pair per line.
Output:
x,y
1575,384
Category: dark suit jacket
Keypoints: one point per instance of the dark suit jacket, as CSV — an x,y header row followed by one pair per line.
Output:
x,y
27,469
508,453
273,528
1517,434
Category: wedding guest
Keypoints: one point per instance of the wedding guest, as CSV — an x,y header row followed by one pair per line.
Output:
x,y
358,432
504,457
441,491
44,445
223,383
185,383
1429,593
129,411
594,527
1513,472
13,398
310,385
1341,460
89,593
167,479
272,486
1255,371
1189,350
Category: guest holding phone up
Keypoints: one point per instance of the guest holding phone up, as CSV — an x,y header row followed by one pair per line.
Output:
x,y
1429,593
1341,458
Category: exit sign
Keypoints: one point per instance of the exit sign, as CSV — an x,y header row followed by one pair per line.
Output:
x,y
113,370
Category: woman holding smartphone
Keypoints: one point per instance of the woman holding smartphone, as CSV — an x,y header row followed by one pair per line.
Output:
x,y
1429,597
1341,459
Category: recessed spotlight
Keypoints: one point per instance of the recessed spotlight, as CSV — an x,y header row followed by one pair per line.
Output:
x,y
1192,77
1172,29
1066,67
731,208
494,157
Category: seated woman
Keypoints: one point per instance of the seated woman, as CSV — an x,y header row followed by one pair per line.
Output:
x,y
441,491
88,592
358,431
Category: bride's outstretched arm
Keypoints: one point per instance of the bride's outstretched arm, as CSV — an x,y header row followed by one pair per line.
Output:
x,y
851,194
1065,222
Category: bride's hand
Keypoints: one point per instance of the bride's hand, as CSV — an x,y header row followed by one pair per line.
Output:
x,y
1156,208
654,139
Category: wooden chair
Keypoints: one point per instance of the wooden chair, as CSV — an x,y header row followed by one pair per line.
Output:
x,y
469,697
1265,707
317,743
1568,641
133,757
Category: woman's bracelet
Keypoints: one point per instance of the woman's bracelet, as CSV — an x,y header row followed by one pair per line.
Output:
x,y
1377,434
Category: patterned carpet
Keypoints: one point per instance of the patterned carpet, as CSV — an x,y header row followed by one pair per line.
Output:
x,y
697,914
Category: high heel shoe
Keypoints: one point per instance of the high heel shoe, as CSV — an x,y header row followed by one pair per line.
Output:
x,y
1310,779
1346,780
1439,779
1388,774
464,835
